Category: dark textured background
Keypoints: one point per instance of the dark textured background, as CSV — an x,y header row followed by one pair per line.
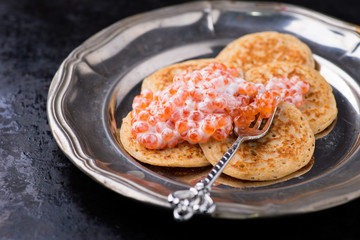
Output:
x,y
44,196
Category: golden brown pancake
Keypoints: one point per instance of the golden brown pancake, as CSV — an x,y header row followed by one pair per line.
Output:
x,y
286,151
164,77
237,183
253,50
183,155
319,106
286,148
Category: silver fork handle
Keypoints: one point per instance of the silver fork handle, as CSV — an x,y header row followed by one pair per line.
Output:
x,y
197,199
221,164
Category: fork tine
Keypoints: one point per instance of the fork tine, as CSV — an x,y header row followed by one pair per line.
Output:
x,y
260,123
254,123
266,125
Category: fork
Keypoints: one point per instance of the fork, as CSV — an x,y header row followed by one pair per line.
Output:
x,y
197,199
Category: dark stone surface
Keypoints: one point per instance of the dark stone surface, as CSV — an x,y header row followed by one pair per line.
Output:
x,y
44,196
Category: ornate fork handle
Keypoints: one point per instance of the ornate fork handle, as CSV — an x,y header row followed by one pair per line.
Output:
x,y
197,199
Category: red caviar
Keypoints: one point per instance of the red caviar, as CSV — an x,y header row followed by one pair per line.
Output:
x,y
206,104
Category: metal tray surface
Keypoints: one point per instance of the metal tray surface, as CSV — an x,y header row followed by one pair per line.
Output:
x,y
94,87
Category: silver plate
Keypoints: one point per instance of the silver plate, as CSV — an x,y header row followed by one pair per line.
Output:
x,y
94,87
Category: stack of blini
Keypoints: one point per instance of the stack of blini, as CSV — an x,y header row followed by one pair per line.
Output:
x,y
289,145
